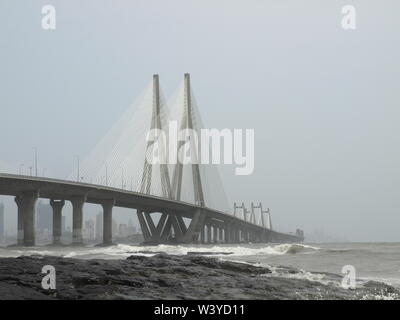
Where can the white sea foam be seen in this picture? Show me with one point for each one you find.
(121, 251)
(232, 250)
(301, 275)
(381, 296)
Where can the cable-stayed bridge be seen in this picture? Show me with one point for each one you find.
(176, 202)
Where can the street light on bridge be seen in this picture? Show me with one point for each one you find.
(122, 178)
(36, 164)
(20, 168)
(77, 168)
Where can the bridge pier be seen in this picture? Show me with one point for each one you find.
(26, 203)
(256, 236)
(171, 223)
(107, 221)
(172, 228)
(202, 235)
(227, 233)
(246, 235)
(215, 235)
(209, 233)
(20, 222)
(143, 226)
(196, 225)
(253, 237)
(57, 219)
(235, 234)
(77, 219)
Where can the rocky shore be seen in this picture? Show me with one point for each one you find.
(168, 277)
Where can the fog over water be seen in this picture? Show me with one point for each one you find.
(324, 102)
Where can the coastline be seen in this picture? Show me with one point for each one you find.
(164, 276)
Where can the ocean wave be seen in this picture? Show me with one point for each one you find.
(300, 274)
(241, 250)
(121, 251)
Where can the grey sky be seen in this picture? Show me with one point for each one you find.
(324, 102)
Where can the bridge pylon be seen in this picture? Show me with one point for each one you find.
(156, 124)
(171, 225)
(187, 124)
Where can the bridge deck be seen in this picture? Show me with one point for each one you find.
(56, 189)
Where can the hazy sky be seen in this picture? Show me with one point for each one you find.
(324, 102)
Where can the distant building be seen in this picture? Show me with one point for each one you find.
(131, 228)
(44, 217)
(63, 226)
(89, 230)
(123, 230)
(114, 227)
(99, 226)
(2, 235)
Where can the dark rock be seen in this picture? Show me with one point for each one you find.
(204, 253)
(167, 277)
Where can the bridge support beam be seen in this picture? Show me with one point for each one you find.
(195, 227)
(57, 219)
(26, 203)
(77, 219)
(171, 223)
(143, 226)
(107, 221)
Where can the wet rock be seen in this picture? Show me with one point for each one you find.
(168, 277)
(204, 253)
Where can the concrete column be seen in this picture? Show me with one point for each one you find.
(228, 233)
(20, 223)
(77, 219)
(232, 233)
(107, 221)
(237, 234)
(209, 233)
(220, 234)
(215, 236)
(193, 231)
(246, 235)
(202, 235)
(143, 226)
(252, 235)
(57, 215)
(26, 202)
